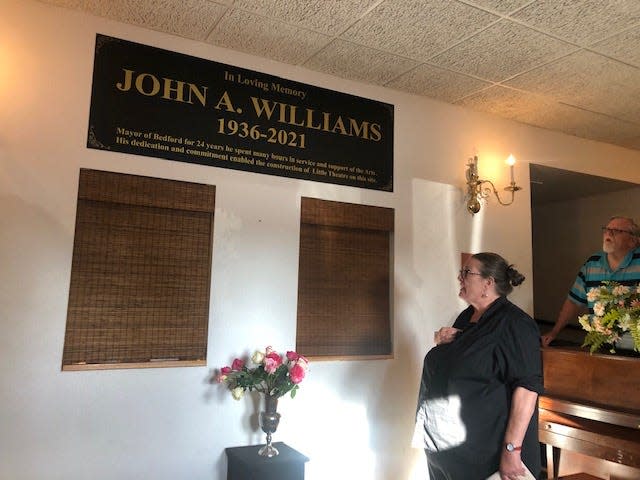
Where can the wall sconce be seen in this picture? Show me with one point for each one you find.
(476, 191)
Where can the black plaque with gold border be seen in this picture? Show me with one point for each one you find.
(154, 102)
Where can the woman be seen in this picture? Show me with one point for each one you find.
(477, 409)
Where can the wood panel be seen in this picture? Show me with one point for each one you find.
(140, 274)
(344, 280)
(591, 410)
(609, 380)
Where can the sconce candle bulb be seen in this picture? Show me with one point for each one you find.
(511, 161)
(478, 189)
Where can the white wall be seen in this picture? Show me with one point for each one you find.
(171, 423)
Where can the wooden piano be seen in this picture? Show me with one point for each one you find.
(591, 405)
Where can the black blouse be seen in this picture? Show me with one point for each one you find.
(474, 378)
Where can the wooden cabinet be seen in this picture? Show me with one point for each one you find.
(591, 406)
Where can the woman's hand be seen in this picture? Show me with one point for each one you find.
(523, 404)
(445, 335)
(511, 466)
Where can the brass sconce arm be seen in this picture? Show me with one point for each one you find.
(479, 189)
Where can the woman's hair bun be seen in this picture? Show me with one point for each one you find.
(514, 276)
(493, 265)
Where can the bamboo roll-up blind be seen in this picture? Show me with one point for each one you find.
(141, 273)
(344, 280)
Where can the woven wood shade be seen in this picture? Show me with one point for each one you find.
(344, 280)
(141, 271)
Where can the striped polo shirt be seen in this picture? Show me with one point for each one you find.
(596, 270)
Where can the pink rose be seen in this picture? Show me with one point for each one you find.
(303, 362)
(296, 373)
(292, 356)
(274, 356)
(237, 365)
(224, 372)
(270, 365)
(271, 362)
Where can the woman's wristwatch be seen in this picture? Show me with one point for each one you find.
(510, 447)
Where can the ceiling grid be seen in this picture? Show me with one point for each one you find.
(571, 66)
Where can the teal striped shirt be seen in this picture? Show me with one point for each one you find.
(596, 270)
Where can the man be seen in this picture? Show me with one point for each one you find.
(619, 261)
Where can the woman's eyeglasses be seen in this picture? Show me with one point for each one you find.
(614, 231)
(463, 273)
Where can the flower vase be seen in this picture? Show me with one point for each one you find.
(269, 420)
(625, 342)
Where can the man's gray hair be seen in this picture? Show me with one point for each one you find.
(635, 229)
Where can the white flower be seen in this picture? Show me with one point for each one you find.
(616, 310)
(257, 357)
(598, 309)
(593, 294)
(584, 321)
(619, 290)
(597, 326)
(237, 393)
(625, 322)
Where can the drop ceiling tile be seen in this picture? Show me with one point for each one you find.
(583, 123)
(505, 102)
(247, 32)
(418, 29)
(501, 6)
(501, 51)
(348, 60)
(437, 83)
(594, 126)
(590, 81)
(187, 18)
(546, 113)
(624, 46)
(581, 21)
(325, 16)
(617, 104)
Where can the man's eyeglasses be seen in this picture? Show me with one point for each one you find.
(463, 273)
(614, 231)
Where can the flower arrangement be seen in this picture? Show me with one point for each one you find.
(616, 311)
(273, 375)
